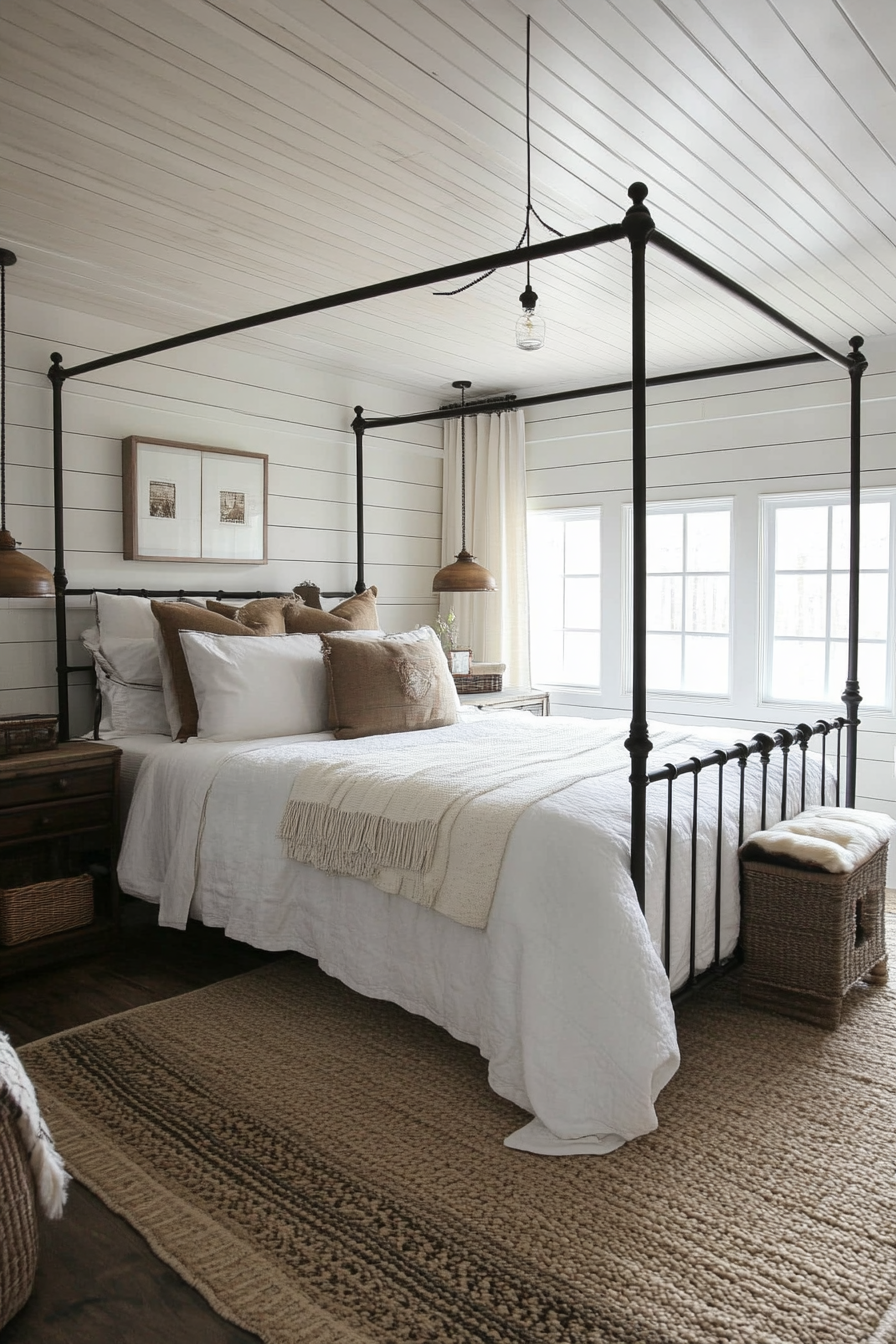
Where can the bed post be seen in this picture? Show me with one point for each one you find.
(57, 377)
(639, 226)
(358, 427)
(851, 698)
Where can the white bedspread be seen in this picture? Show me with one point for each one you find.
(564, 992)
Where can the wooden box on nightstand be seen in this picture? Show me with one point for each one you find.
(58, 819)
(534, 702)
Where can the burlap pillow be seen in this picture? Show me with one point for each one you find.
(396, 684)
(172, 618)
(263, 615)
(355, 613)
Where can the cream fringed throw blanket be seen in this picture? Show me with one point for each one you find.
(432, 823)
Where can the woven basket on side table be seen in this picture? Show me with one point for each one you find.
(45, 907)
(18, 1216)
(808, 935)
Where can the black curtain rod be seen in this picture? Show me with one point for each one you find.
(661, 380)
(607, 233)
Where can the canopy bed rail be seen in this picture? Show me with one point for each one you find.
(761, 745)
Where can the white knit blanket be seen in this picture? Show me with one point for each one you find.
(433, 825)
(18, 1097)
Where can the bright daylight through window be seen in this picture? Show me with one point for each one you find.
(688, 597)
(807, 597)
(564, 598)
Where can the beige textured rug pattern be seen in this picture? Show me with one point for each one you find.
(329, 1170)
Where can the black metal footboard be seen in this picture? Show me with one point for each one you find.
(788, 791)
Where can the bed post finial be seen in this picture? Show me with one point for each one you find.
(638, 194)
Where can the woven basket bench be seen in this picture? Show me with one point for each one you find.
(808, 935)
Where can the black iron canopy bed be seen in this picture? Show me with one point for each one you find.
(774, 786)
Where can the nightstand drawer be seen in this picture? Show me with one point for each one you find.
(74, 814)
(51, 788)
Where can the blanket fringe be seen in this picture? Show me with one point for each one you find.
(356, 843)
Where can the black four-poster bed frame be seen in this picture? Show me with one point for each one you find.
(638, 228)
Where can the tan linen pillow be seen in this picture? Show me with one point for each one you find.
(172, 618)
(396, 684)
(263, 615)
(355, 613)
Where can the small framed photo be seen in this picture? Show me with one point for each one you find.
(460, 662)
(189, 502)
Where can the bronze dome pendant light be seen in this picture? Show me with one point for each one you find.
(20, 576)
(463, 575)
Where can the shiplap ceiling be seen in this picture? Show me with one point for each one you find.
(176, 163)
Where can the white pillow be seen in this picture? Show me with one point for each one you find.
(136, 661)
(267, 686)
(128, 677)
(119, 615)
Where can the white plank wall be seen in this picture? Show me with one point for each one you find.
(738, 438)
(218, 395)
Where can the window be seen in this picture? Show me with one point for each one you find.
(806, 594)
(688, 596)
(564, 597)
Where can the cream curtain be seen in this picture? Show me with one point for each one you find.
(494, 625)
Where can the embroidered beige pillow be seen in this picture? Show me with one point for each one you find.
(356, 613)
(396, 684)
(263, 615)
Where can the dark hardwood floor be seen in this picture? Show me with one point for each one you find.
(97, 1280)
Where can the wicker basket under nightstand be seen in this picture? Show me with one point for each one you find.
(808, 935)
(45, 907)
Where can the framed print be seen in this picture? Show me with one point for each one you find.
(460, 661)
(189, 502)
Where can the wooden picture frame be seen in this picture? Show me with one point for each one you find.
(194, 504)
(460, 661)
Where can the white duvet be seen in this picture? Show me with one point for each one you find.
(564, 992)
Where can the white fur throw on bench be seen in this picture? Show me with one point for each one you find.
(835, 839)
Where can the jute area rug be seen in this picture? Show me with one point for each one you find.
(329, 1170)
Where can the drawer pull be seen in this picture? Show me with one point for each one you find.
(61, 783)
(43, 823)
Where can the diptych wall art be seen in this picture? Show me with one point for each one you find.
(189, 502)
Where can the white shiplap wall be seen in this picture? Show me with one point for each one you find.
(217, 395)
(739, 437)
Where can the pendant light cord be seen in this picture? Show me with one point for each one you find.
(525, 236)
(463, 473)
(2, 398)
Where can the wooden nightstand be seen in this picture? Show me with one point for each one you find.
(59, 818)
(534, 702)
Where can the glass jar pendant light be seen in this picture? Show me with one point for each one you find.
(529, 327)
(20, 576)
(463, 575)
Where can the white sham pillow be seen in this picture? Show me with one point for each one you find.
(128, 679)
(268, 686)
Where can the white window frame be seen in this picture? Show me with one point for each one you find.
(715, 505)
(768, 507)
(588, 513)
